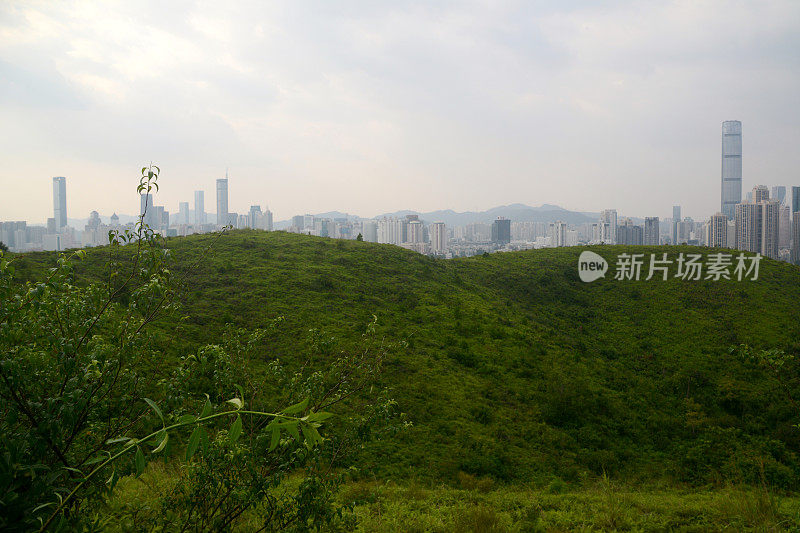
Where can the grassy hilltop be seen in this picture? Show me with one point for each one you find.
(514, 371)
(514, 368)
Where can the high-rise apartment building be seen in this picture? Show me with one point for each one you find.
(770, 228)
(630, 233)
(609, 217)
(415, 232)
(199, 208)
(784, 226)
(760, 193)
(501, 230)
(222, 202)
(60, 202)
(369, 231)
(731, 186)
(438, 238)
(651, 231)
(757, 224)
(558, 234)
(718, 231)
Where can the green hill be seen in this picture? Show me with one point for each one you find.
(515, 369)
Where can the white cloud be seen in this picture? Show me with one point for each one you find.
(370, 107)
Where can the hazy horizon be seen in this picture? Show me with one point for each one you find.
(369, 109)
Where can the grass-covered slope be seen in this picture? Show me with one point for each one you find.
(516, 369)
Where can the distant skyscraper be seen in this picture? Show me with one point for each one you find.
(779, 194)
(760, 193)
(199, 208)
(183, 213)
(609, 216)
(748, 227)
(60, 202)
(146, 208)
(369, 231)
(438, 238)
(222, 202)
(731, 167)
(784, 226)
(676, 219)
(501, 230)
(718, 231)
(651, 231)
(795, 199)
(558, 234)
(254, 218)
(415, 232)
(796, 239)
(268, 220)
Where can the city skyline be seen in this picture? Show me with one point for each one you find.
(386, 107)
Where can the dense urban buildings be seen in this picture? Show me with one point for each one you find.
(731, 167)
(767, 222)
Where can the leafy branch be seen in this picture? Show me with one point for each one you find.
(283, 421)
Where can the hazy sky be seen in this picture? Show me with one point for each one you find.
(369, 107)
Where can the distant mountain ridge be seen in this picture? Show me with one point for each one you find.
(516, 212)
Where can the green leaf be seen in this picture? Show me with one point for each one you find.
(194, 442)
(187, 419)
(236, 430)
(163, 443)
(139, 462)
(112, 481)
(311, 434)
(296, 408)
(152, 404)
(204, 440)
(206, 408)
(318, 417)
(276, 438)
(291, 427)
(236, 402)
(117, 440)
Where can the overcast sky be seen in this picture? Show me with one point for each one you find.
(369, 107)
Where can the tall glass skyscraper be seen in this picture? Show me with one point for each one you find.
(731, 167)
(60, 201)
(222, 202)
(199, 208)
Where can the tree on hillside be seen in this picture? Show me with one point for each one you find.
(3, 247)
(78, 368)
